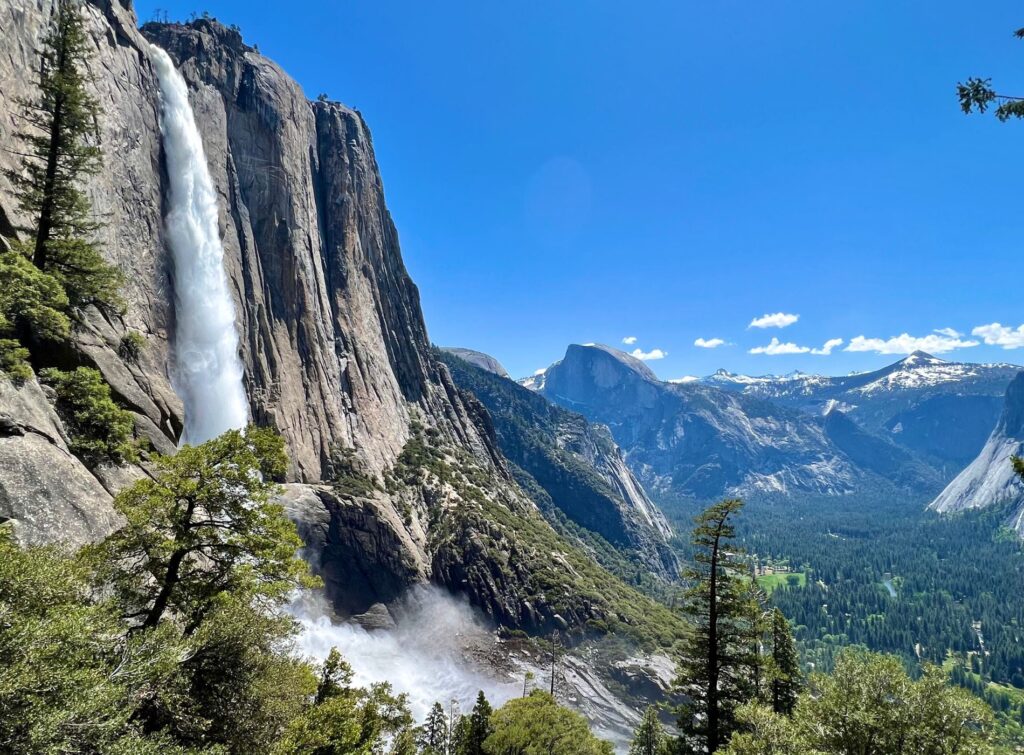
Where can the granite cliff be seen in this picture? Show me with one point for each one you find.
(396, 475)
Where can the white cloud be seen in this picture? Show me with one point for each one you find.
(541, 371)
(950, 332)
(777, 320)
(995, 334)
(776, 348)
(685, 379)
(832, 343)
(905, 343)
(709, 343)
(652, 354)
(629, 340)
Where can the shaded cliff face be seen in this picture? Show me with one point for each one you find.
(990, 480)
(571, 464)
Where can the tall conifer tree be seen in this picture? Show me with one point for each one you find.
(60, 149)
(716, 669)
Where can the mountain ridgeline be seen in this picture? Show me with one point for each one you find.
(566, 462)
(799, 434)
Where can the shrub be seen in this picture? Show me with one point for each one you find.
(14, 361)
(100, 430)
(130, 348)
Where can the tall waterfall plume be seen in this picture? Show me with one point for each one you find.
(208, 371)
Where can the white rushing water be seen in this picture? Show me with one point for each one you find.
(423, 656)
(208, 371)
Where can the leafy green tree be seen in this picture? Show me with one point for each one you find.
(538, 725)
(346, 720)
(69, 678)
(785, 665)
(60, 125)
(100, 430)
(202, 527)
(649, 737)
(870, 706)
(715, 672)
(30, 301)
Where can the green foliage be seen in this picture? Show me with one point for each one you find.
(720, 661)
(14, 361)
(785, 678)
(202, 527)
(100, 430)
(58, 152)
(869, 706)
(59, 651)
(537, 725)
(31, 301)
(977, 94)
(433, 738)
(130, 346)
(347, 476)
(649, 737)
(346, 720)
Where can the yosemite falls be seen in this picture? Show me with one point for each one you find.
(208, 371)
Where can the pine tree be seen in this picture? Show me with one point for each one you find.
(785, 666)
(434, 736)
(479, 726)
(60, 126)
(649, 737)
(716, 669)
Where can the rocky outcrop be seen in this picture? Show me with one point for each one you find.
(990, 479)
(46, 493)
(477, 359)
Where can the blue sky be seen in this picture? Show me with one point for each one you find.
(573, 172)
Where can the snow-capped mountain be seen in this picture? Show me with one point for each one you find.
(702, 439)
(911, 401)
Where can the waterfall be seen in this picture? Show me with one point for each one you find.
(208, 371)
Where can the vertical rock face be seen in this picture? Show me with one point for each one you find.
(571, 464)
(990, 479)
(333, 340)
(334, 344)
(330, 318)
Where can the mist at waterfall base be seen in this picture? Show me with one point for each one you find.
(208, 371)
(423, 655)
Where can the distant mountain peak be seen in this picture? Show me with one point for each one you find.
(478, 359)
(588, 350)
(920, 359)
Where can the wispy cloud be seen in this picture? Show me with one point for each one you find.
(776, 348)
(709, 343)
(647, 355)
(541, 371)
(949, 332)
(629, 340)
(935, 343)
(685, 379)
(832, 343)
(777, 320)
(995, 334)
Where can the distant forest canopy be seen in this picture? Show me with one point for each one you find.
(886, 574)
